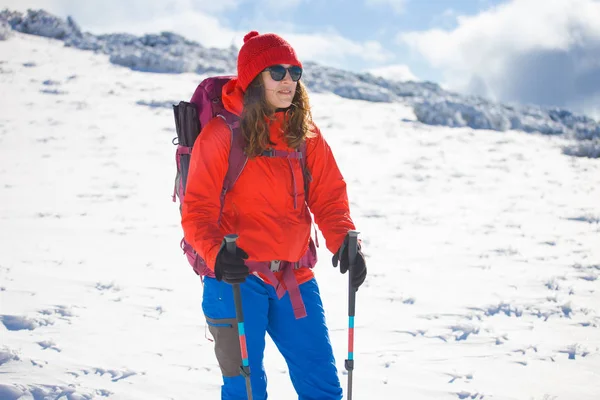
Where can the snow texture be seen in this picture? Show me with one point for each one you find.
(171, 53)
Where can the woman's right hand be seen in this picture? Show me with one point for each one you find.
(231, 267)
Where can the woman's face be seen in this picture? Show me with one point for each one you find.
(279, 94)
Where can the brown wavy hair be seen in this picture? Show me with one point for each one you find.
(257, 113)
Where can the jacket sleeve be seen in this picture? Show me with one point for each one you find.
(201, 203)
(327, 197)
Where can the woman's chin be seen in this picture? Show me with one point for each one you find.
(284, 103)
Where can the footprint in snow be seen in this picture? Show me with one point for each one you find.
(589, 273)
(501, 339)
(104, 287)
(37, 391)
(48, 344)
(575, 350)
(413, 334)
(462, 332)
(7, 355)
(11, 392)
(401, 299)
(19, 322)
(155, 313)
(168, 104)
(47, 317)
(504, 308)
(62, 312)
(464, 378)
(53, 91)
(589, 218)
(115, 374)
(467, 395)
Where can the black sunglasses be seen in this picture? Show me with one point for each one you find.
(278, 72)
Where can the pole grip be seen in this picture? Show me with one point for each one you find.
(231, 246)
(352, 247)
(230, 243)
(352, 254)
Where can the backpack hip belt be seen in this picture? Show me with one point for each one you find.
(289, 278)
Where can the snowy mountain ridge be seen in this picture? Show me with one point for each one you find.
(172, 53)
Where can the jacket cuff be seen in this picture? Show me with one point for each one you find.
(211, 256)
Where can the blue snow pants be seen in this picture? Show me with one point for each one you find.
(304, 343)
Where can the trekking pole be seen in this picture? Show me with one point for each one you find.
(352, 252)
(239, 315)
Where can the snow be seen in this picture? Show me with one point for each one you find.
(171, 53)
(482, 247)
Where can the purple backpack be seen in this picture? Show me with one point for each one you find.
(190, 118)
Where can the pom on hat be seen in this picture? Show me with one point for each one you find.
(250, 35)
(262, 51)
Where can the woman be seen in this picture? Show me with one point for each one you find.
(269, 209)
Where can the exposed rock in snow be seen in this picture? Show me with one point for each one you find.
(5, 30)
(41, 23)
(584, 148)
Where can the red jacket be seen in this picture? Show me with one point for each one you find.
(260, 207)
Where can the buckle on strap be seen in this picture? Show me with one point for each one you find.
(281, 153)
(275, 265)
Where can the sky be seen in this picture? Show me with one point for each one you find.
(481, 246)
(528, 51)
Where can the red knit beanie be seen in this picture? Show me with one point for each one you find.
(260, 52)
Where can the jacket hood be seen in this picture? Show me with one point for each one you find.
(233, 97)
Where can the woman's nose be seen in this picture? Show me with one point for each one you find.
(287, 76)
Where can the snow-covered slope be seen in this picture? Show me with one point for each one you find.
(168, 52)
(482, 247)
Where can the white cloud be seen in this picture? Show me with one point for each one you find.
(399, 72)
(197, 26)
(335, 50)
(538, 51)
(397, 5)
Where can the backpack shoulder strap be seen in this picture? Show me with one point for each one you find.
(307, 180)
(237, 158)
(305, 172)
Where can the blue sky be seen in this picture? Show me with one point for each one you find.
(529, 51)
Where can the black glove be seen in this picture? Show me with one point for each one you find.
(360, 267)
(230, 267)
